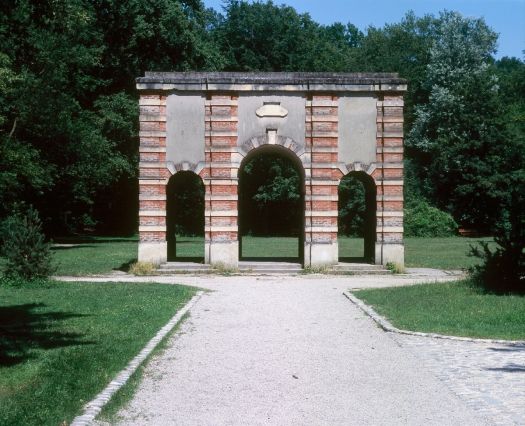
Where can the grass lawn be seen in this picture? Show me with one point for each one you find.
(190, 247)
(98, 255)
(93, 255)
(270, 247)
(62, 343)
(440, 253)
(454, 308)
(351, 247)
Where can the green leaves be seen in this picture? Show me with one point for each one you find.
(69, 115)
(458, 137)
(267, 37)
(27, 254)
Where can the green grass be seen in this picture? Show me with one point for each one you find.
(455, 308)
(94, 255)
(190, 247)
(271, 247)
(351, 247)
(62, 343)
(440, 253)
(99, 255)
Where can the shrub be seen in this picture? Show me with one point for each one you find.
(503, 270)
(423, 220)
(28, 255)
(142, 268)
(395, 268)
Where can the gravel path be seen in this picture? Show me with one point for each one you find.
(289, 351)
(490, 378)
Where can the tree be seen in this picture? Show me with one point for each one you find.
(27, 254)
(404, 48)
(270, 183)
(266, 37)
(459, 135)
(503, 269)
(352, 208)
(69, 114)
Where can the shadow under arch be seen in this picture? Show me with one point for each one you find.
(272, 150)
(363, 212)
(185, 217)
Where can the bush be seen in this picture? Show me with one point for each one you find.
(395, 268)
(423, 220)
(503, 270)
(28, 255)
(143, 268)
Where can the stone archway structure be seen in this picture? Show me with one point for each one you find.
(333, 123)
(293, 152)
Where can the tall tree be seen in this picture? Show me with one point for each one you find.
(459, 135)
(262, 36)
(69, 115)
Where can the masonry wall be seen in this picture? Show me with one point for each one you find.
(153, 177)
(325, 154)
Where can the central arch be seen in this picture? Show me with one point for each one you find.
(278, 219)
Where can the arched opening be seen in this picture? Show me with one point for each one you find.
(271, 206)
(185, 217)
(357, 218)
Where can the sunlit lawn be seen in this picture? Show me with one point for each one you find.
(266, 247)
(62, 343)
(442, 253)
(96, 255)
(455, 308)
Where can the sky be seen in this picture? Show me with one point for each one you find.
(506, 17)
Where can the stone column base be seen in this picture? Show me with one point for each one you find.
(321, 254)
(154, 252)
(222, 253)
(390, 253)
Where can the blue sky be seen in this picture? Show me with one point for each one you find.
(506, 17)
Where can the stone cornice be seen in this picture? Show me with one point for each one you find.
(277, 81)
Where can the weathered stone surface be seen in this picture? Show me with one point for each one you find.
(329, 124)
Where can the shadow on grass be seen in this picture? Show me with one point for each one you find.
(192, 259)
(92, 240)
(125, 266)
(270, 259)
(356, 259)
(23, 329)
(76, 246)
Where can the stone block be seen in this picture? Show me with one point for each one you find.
(154, 252)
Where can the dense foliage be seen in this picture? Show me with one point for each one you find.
(423, 220)
(503, 269)
(68, 107)
(270, 197)
(23, 245)
(185, 205)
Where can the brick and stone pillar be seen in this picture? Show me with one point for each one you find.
(389, 180)
(221, 180)
(153, 176)
(321, 181)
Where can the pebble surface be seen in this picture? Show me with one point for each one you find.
(295, 351)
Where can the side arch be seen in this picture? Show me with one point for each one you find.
(185, 216)
(369, 184)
